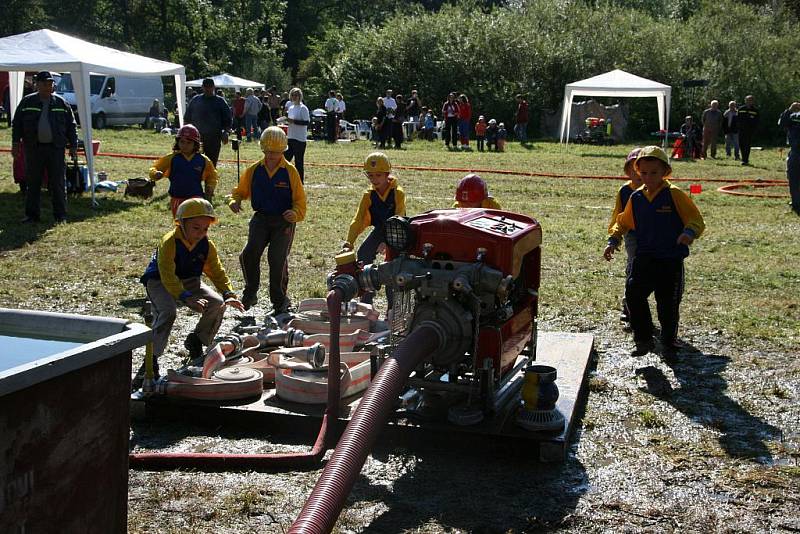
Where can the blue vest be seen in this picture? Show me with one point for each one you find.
(380, 210)
(186, 176)
(271, 196)
(188, 263)
(658, 226)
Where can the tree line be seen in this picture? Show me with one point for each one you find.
(490, 50)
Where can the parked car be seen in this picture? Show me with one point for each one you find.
(115, 100)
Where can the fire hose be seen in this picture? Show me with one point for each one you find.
(321, 510)
(266, 462)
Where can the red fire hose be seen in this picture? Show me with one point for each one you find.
(326, 501)
(265, 462)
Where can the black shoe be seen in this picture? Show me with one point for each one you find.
(248, 301)
(643, 348)
(61, 220)
(671, 346)
(194, 346)
(29, 220)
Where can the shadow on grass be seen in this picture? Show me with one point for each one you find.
(506, 491)
(701, 397)
(16, 234)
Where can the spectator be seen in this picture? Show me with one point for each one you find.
(480, 132)
(748, 118)
(381, 120)
(252, 105)
(397, 122)
(521, 126)
(501, 137)
(712, 124)
(691, 136)
(298, 118)
(491, 135)
(730, 127)
(45, 122)
(413, 107)
(464, 118)
(285, 102)
(790, 121)
(264, 114)
(450, 116)
(238, 112)
(330, 116)
(212, 116)
(7, 104)
(340, 109)
(154, 118)
(391, 109)
(275, 106)
(428, 124)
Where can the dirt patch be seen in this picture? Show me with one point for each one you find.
(708, 442)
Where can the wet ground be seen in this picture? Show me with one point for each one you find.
(707, 442)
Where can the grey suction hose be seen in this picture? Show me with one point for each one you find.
(326, 501)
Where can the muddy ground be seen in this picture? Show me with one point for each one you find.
(709, 442)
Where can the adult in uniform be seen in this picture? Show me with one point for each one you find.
(748, 122)
(46, 123)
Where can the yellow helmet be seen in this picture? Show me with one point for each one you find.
(195, 207)
(273, 139)
(377, 162)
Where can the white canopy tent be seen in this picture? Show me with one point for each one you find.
(616, 83)
(227, 81)
(48, 50)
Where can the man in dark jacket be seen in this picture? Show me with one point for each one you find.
(47, 125)
(790, 121)
(748, 122)
(212, 116)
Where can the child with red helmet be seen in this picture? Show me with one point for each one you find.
(472, 192)
(187, 169)
(634, 182)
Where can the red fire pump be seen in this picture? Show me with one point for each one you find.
(473, 276)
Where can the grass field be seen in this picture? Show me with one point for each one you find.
(741, 308)
(742, 276)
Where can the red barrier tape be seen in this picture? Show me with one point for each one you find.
(460, 170)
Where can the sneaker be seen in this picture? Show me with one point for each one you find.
(138, 381)
(194, 346)
(29, 220)
(643, 348)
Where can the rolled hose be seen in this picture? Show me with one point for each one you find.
(328, 497)
(265, 462)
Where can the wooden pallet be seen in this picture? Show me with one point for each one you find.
(569, 353)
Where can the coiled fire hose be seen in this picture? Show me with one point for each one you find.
(273, 461)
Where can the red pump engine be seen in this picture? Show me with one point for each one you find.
(473, 274)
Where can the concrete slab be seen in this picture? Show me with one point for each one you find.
(569, 353)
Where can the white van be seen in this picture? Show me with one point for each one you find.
(116, 100)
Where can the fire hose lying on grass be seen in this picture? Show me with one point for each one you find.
(465, 299)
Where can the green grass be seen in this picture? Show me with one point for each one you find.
(742, 276)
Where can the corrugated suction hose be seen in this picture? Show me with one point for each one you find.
(326, 501)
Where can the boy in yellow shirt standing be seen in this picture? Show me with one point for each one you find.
(276, 193)
(383, 200)
(666, 223)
